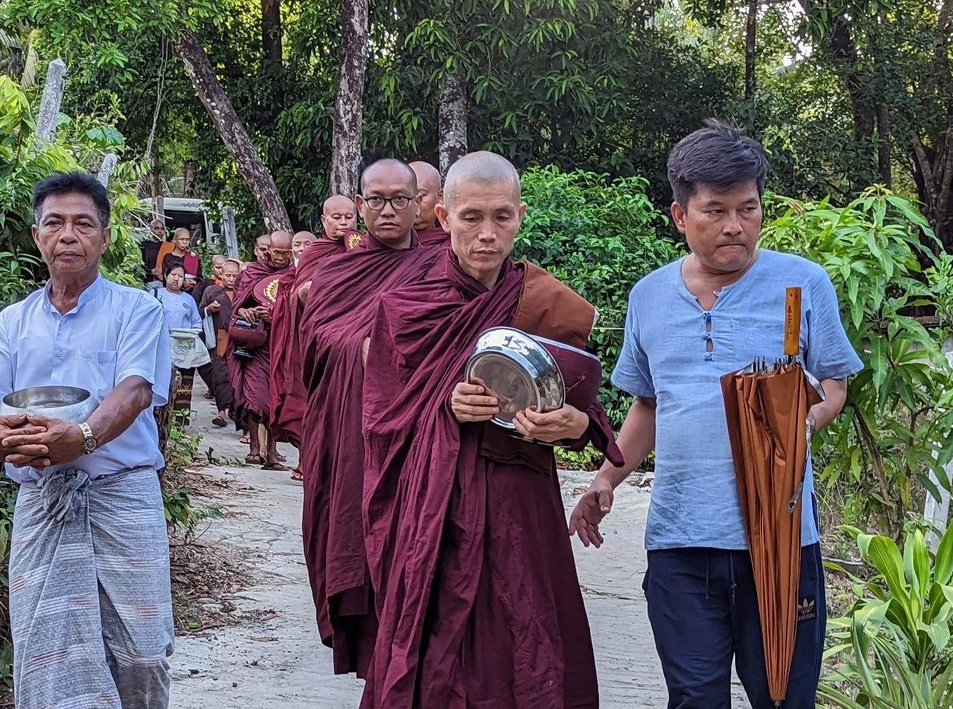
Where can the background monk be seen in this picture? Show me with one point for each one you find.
(336, 321)
(339, 221)
(428, 228)
(477, 594)
(299, 242)
(217, 302)
(261, 248)
(249, 370)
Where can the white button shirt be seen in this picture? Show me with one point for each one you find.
(113, 333)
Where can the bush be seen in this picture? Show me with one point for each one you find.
(896, 425)
(893, 647)
(599, 237)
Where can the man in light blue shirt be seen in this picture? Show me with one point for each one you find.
(688, 324)
(90, 598)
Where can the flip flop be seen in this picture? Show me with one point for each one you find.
(255, 459)
(244, 439)
(281, 458)
(218, 421)
(275, 466)
(297, 475)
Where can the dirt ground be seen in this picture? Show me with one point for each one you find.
(274, 658)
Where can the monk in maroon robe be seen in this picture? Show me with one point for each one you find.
(429, 186)
(476, 589)
(339, 221)
(336, 321)
(249, 372)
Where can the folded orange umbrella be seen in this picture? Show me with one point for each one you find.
(766, 405)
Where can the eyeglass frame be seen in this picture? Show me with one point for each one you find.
(388, 200)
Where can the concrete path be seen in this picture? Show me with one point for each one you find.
(279, 662)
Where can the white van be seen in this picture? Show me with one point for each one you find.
(191, 214)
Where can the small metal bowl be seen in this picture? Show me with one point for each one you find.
(66, 403)
(518, 370)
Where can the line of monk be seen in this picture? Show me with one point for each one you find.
(436, 544)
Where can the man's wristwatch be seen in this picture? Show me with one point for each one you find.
(89, 440)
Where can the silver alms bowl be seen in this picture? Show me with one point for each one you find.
(60, 402)
(519, 371)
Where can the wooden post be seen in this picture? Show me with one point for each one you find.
(52, 98)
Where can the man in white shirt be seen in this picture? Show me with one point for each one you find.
(90, 598)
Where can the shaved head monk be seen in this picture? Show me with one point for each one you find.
(299, 243)
(338, 217)
(336, 321)
(429, 230)
(477, 595)
(261, 248)
(339, 221)
(249, 352)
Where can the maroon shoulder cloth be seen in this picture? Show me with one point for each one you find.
(336, 320)
(250, 378)
(289, 398)
(477, 594)
(434, 236)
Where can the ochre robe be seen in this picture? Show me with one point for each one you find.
(250, 378)
(476, 589)
(336, 320)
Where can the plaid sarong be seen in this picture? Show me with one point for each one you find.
(90, 596)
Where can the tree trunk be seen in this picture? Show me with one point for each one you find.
(750, 45)
(232, 132)
(271, 30)
(452, 123)
(349, 99)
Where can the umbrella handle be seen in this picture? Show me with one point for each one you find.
(792, 322)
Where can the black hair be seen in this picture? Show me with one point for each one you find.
(410, 170)
(170, 264)
(66, 182)
(720, 156)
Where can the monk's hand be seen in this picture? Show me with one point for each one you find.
(12, 427)
(61, 440)
(365, 348)
(592, 507)
(562, 424)
(248, 314)
(473, 401)
(303, 291)
(264, 314)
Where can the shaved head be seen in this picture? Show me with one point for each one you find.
(300, 241)
(218, 260)
(337, 216)
(279, 252)
(261, 247)
(263, 240)
(387, 165)
(280, 240)
(431, 194)
(482, 168)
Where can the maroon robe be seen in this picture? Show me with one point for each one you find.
(434, 236)
(476, 589)
(336, 320)
(250, 378)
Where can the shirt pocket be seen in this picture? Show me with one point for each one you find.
(98, 371)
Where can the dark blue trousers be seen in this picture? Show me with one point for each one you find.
(704, 612)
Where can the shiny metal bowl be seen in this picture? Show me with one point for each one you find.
(518, 370)
(71, 404)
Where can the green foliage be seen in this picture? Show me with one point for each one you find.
(8, 498)
(893, 647)
(181, 514)
(599, 237)
(897, 424)
(24, 161)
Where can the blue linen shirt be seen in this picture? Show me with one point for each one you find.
(114, 332)
(665, 356)
(180, 310)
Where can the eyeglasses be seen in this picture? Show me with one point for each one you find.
(399, 202)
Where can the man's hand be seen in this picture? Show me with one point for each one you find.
(264, 314)
(592, 507)
(61, 441)
(564, 423)
(213, 307)
(303, 291)
(472, 402)
(18, 426)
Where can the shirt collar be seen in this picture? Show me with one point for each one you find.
(92, 290)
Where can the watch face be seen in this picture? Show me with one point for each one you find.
(89, 445)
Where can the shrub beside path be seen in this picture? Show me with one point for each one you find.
(278, 660)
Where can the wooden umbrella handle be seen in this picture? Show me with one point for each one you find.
(792, 321)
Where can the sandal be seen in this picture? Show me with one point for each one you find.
(275, 466)
(296, 474)
(253, 459)
(281, 458)
(218, 421)
(245, 439)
